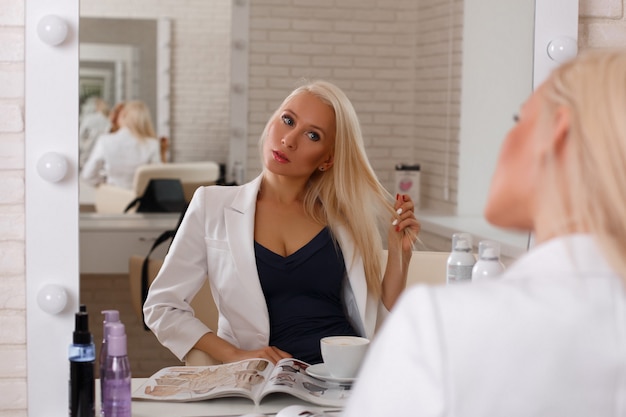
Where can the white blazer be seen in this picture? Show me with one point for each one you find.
(548, 339)
(216, 241)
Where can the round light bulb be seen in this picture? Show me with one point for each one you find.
(52, 298)
(52, 30)
(52, 167)
(562, 49)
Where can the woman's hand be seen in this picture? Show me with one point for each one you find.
(400, 239)
(404, 226)
(224, 351)
(271, 353)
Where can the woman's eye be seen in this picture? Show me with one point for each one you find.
(516, 118)
(287, 120)
(313, 136)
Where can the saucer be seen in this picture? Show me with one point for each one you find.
(319, 371)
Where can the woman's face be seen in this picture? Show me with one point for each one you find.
(512, 195)
(300, 138)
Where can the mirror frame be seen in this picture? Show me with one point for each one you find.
(51, 212)
(51, 209)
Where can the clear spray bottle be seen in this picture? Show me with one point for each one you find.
(110, 316)
(117, 375)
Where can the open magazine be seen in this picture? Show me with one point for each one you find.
(251, 378)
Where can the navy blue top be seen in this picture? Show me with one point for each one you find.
(303, 296)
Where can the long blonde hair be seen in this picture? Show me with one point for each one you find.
(592, 189)
(349, 192)
(135, 116)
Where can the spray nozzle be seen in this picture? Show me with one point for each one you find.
(488, 250)
(117, 339)
(81, 335)
(111, 316)
(462, 242)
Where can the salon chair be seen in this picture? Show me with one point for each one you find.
(112, 199)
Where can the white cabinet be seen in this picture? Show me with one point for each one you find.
(108, 241)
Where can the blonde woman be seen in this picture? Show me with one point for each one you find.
(294, 255)
(548, 338)
(116, 156)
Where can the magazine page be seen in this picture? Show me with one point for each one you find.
(290, 376)
(193, 383)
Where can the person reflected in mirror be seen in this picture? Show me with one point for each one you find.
(114, 117)
(94, 121)
(116, 156)
(293, 255)
(549, 337)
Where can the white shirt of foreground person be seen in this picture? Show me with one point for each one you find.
(116, 157)
(547, 339)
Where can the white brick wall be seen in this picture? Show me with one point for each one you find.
(437, 96)
(391, 59)
(602, 24)
(365, 47)
(12, 283)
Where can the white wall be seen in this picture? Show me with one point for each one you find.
(508, 78)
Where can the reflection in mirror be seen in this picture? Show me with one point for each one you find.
(121, 60)
(199, 45)
(406, 67)
(401, 65)
(118, 61)
(123, 45)
(281, 49)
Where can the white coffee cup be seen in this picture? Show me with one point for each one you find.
(343, 355)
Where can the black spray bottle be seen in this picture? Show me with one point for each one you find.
(82, 355)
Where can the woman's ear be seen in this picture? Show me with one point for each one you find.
(560, 129)
(329, 162)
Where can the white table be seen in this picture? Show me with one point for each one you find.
(219, 407)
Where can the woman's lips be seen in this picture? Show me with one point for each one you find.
(280, 157)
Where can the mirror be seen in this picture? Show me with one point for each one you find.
(51, 76)
(123, 59)
(386, 109)
(188, 51)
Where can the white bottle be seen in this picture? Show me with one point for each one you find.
(488, 265)
(461, 260)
